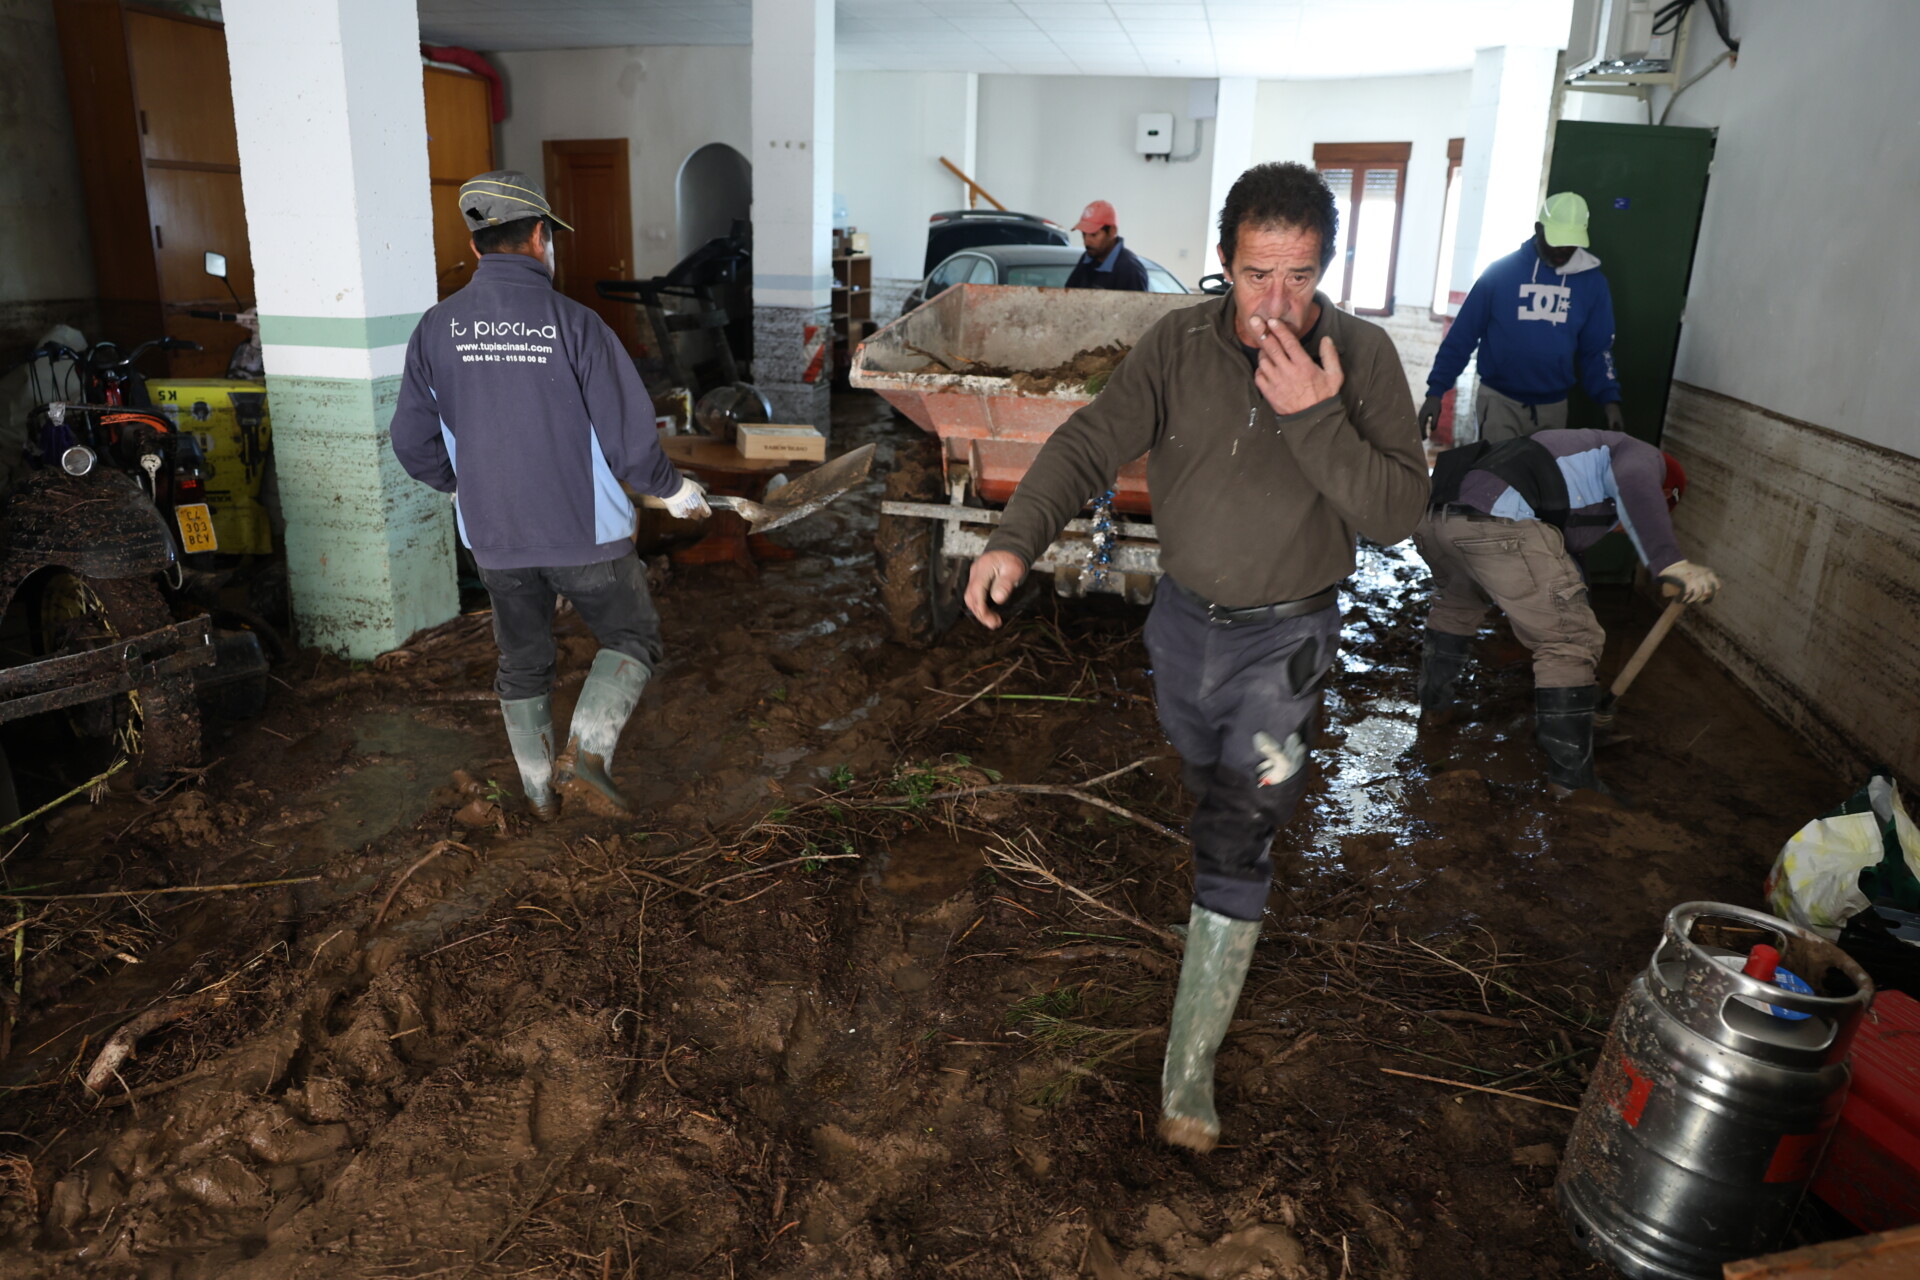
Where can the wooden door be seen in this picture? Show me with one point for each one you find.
(459, 146)
(587, 186)
(183, 104)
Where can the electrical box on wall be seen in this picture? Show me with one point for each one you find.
(1154, 135)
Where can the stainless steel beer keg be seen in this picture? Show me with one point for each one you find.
(1713, 1098)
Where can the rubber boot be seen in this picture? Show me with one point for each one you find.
(1219, 950)
(1563, 726)
(1443, 656)
(606, 703)
(530, 733)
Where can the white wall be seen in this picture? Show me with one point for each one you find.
(1051, 144)
(890, 130)
(1805, 297)
(1293, 115)
(667, 103)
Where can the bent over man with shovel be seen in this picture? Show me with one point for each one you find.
(1504, 524)
(1276, 428)
(522, 404)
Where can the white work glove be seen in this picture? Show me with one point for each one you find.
(689, 501)
(1697, 583)
(1279, 761)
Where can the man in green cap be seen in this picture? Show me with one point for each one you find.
(1542, 318)
(522, 404)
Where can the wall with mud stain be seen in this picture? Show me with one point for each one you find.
(1817, 537)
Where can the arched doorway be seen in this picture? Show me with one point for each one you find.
(715, 187)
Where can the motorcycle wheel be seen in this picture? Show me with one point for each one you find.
(155, 726)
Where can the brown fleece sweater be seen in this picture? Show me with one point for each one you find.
(1252, 508)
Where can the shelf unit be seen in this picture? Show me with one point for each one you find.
(852, 306)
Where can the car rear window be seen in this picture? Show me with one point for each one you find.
(1041, 277)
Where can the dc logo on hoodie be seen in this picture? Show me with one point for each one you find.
(1550, 302)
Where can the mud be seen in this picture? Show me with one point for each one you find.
(1088, 370)
(816, 1014)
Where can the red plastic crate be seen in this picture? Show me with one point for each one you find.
(1872, 1169)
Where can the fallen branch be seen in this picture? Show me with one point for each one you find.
(1479, 1088)
(88, 785)
(150, 893)
(711, 885)
(120, 1045)
(424, 859)
(1042, 789)
(1020, 861)
(1000, 680)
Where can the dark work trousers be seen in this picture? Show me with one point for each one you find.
(1216, 686)
(610, 597)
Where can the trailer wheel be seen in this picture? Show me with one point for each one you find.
(155, 726)
(920, 589)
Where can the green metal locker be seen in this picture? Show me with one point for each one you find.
(1645, 186)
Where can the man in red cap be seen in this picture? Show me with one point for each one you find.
(1107, 263)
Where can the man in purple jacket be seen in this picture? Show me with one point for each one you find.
(522, 404)
(1504, 525)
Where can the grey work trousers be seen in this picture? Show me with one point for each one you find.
(1216, 686)
(611, 598)
(1523, 567)
(1504, 418)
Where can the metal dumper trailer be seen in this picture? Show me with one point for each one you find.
(936, 517)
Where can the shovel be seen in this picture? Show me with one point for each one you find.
(800, 498)
(1603, 714)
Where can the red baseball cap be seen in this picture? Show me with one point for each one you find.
(1095, 216)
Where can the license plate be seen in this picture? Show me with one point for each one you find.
(196, 528)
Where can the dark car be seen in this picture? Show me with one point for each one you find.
(1044, 266)
(956, 229)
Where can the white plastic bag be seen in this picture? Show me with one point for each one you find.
(1833, 868)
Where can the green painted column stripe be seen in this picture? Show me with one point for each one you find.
(360, 332)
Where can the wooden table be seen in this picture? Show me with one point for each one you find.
(723, 470)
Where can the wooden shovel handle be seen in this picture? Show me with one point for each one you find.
(1658, 633)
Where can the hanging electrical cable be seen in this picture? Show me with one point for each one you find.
(1668, 18)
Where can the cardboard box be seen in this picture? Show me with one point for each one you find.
(857, 241)
(767, 440)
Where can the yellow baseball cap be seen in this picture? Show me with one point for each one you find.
(1564, 216)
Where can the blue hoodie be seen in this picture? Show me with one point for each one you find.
(1537, 329)
(522, 404)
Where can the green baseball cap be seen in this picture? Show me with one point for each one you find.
(505, 195)
(1565, 218)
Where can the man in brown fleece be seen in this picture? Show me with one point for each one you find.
(1276, 428)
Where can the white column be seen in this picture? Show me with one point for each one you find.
(333, 157)
(1500, 170)
(792, 157)
(1232, 154)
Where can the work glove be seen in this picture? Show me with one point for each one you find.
(689, 501)
(1697, 583)
(1616, 421)
(1279, 760)
(1429, 416)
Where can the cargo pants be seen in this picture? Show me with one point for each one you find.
(1216, 686)
(1523, 567)
(1504, 418)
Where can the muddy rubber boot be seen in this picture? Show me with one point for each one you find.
(1563, 726)
(606, 703)
(1443, 656)
(530, 734)
(1218, 953)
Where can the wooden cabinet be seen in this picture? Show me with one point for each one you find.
(852, 306)
(153, 123)
(459, 146)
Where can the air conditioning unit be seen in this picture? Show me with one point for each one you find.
(1616, 38)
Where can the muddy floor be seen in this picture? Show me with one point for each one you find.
(841, 1003)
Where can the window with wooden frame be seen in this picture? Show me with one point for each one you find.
(1369, 182)
(1449, 231)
